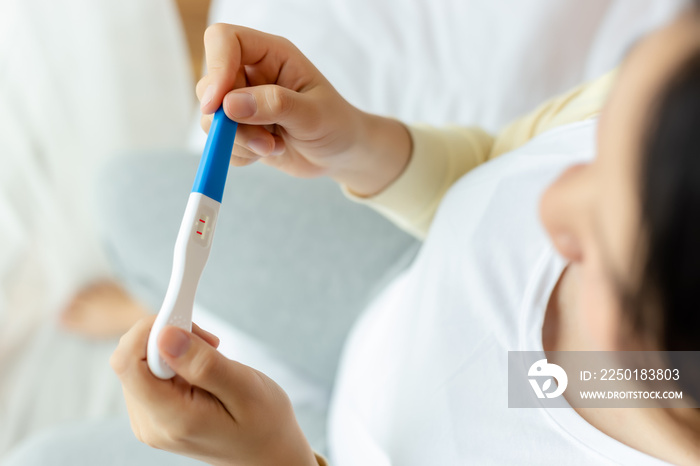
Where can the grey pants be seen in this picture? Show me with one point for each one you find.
(293, 264)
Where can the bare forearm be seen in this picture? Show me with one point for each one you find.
(382, 152)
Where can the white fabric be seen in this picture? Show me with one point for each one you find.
(424, 376)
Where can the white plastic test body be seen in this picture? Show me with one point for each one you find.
(194, 239)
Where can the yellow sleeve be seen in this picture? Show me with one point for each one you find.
(441, 156)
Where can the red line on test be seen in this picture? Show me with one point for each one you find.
(202, 221)
(199, 232)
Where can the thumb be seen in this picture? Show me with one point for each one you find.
(272, 104)
(201, 365)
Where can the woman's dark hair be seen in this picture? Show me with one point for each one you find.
(670, 193)
(665, 308)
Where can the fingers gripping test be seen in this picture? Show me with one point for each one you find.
(194, 238)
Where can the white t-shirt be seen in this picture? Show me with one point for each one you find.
(423, 380)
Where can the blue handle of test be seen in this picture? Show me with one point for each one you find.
(213, 167)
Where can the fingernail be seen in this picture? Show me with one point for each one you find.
(240, 105)
(174, 342)
(259, 146)
(207, 96)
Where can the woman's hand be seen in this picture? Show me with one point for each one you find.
(290, 115)
(215, 410)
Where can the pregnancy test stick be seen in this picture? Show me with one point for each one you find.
(194, 239)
